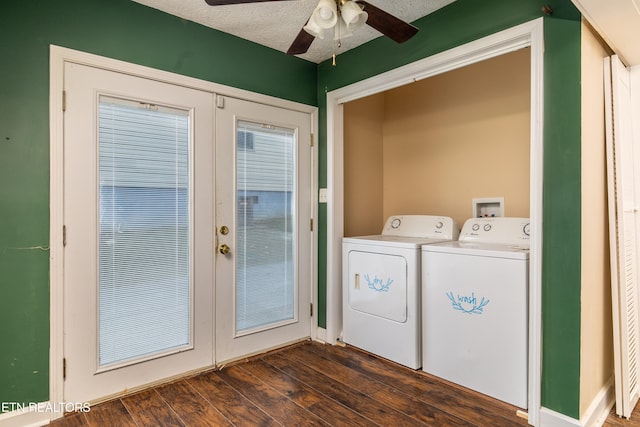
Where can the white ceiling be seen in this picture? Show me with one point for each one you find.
(276, 24)
(618, 22)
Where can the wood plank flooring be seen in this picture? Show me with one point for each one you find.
(308, 384)
(614, 421)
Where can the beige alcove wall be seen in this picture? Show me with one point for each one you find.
(432, 146)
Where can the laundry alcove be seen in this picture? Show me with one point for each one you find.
(431, 146)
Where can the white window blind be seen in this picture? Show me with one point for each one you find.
(266, 218)
(144, 231)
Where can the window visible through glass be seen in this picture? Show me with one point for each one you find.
(265, 218)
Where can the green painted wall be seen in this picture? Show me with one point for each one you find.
(462, 22)
(118, 29)
(561, 285)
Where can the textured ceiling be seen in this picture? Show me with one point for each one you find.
(276, 24)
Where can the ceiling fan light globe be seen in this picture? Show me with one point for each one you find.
(353, 16)
(341, 31)
(325, 14)
(314, 29)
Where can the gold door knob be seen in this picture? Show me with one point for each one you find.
(224, 249)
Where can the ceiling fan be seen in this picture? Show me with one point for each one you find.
(344, 17)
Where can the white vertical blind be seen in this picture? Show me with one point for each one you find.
(144, 231)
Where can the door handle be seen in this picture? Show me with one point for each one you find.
(224, 249)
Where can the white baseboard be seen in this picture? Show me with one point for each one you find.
(594, 416)
(321, 335)
(600, 407)
(549, 418)
(25, 418)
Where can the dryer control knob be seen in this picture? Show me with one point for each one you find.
(395, 223)
(439, 224)
(487, 227)
(475, 227)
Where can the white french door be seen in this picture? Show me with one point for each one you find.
(138, 287)
(263, 214)
(157, 185)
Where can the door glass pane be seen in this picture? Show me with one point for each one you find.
(265, 218)
(144, 285)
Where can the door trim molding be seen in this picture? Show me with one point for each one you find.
(58, 57)
(526, 35)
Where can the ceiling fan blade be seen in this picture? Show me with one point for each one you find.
(225, 2)
(301, 43)
(392, 27)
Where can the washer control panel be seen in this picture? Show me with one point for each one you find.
(428, 226)
(504, 230)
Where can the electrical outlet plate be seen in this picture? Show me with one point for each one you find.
(322, 195)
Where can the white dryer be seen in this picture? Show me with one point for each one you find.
(475, 308)
(381, 286)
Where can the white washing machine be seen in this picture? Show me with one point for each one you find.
(381, 286)
(475, 308)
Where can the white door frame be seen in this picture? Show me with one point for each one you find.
(529, 35)
(58, 56)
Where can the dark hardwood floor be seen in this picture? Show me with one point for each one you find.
(614, 421)
(308, 384)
